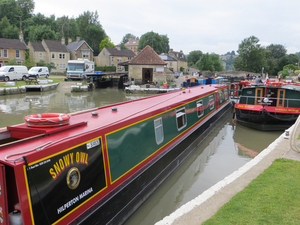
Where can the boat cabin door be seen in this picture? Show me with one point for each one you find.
(3, 197)
(280, 98)
(258, 95)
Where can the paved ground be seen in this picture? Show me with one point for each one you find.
(207, 204)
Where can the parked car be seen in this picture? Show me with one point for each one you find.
(38, 72)
(176, 74)
(13, 73)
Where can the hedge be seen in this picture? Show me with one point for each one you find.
(106, 68)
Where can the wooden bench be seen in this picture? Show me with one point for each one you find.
(31, 80)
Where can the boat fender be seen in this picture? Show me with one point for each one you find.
(47, 119)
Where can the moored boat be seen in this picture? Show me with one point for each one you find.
(98, 166)
(271, 106)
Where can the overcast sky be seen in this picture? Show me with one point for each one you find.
(217, 26)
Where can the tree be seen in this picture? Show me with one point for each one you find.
(287, 59)
(194, 56)
(277, 51)
(251, 56)
(209, 62)
(106, 43)
(90, 29)
(122, 46)
(160, 43)
(26, 8)
(126, 38)
(40, 32)
(7, 30)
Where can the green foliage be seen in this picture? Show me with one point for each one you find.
(277, 51)
(284, 73)
(106, 68)
(122, 46)
(50, 66)
(290, 67)
(12, 62)
(28, 63)
(251, 55)
(194, 56)
(7, 30)
(272, 198)
(41, 63)
(209, 62)
(106, 43)
(160, 43)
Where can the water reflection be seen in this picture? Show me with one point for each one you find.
(215, 158)
(228, 147)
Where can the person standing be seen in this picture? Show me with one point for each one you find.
(279, 77)
(258, 80)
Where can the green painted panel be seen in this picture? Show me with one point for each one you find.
(130, 146)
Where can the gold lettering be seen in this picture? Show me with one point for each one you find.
(72, 157)
(62, 165)
(82, 154)
(67, 161)
(86, 159)
(56, 167)
(77, 157)
(53, 174)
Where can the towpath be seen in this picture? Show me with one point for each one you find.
(209, 202)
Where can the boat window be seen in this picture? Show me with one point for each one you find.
(258, 95)
(200, 110)
(281, 96)
(159, 131)
(211, 102)
(181, 118)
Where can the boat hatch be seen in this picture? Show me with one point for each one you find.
(23, 131)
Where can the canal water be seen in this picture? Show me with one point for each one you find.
(227, 147)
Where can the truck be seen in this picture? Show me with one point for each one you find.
(80, 68)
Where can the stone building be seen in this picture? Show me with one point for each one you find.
(133, 44)
(148, 67)
(79, 49)
(113, 57)
(181, 60)
(12, 49)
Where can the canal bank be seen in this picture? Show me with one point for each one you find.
(209, 202)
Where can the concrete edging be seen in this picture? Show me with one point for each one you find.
(210, 201)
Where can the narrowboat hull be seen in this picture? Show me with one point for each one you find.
(102, 164)
(268, 107)
(127, 200)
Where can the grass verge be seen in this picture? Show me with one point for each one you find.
(272, 198)
(19, 83)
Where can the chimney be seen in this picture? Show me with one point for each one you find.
(181, 51)
(63, 41)
(21, 36)
(69, 40)
(171, 50)
(77, 38)
(137, 38)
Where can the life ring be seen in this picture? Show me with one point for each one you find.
(47, 120)
(244, 82)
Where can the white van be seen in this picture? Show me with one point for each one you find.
(38, 72)
(13, 73)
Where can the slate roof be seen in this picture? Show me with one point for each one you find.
(12, 44)
(132, 42)
(56, 46)
(166, 58)
(122, 52)
(74, 46)
(180, 56)
(37, 47)
(147, 57)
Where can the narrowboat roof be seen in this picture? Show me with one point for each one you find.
(30, 140)
(285, 86)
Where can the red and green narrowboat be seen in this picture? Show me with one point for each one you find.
(274, 106)
(98, 166)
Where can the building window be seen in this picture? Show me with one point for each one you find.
(62, 66)
(181, 118)
(200, 110)
(0, 53)
(170, 63)
(5, 53)
(85, 55)
(112, 58)
(53, 55)
(119, 59)
(19, 63)
(119, 67)
(17, 53)
(41, 55)
(129, 58)
(62, 56)
(159, 132)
